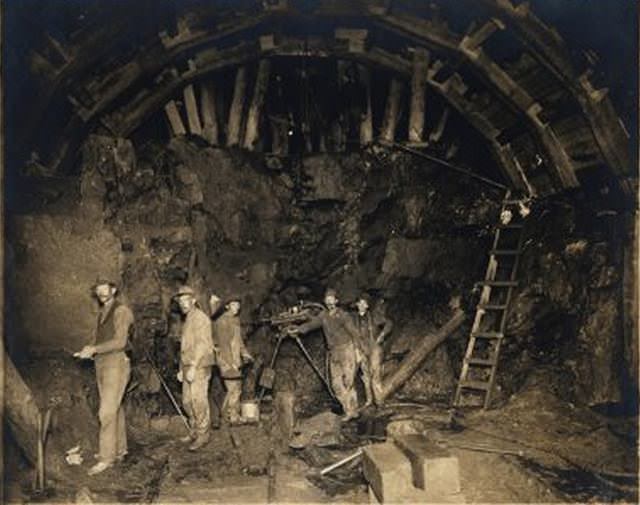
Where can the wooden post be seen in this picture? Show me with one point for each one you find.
(192, 110)
(174, 119)
(208, 113)
(415, 359)
(392, 111)
(418, 87)
(257, 101)
(237, 108)
(366, 126)
(21, 414)
(436, 134)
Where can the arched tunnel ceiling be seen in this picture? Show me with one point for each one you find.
(508, 74)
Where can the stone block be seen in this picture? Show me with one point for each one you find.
(388, 471)
(434, 469)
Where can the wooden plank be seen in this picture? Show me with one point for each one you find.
(366, 126)
(208, 112)
(418, 89)
(173, 114)
(193, 118)
(436, 134)
(392, 111)
(415, 359)
(237, 108)
(257, 102)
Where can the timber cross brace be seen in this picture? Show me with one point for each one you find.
(537, 115)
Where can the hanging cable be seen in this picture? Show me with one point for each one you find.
(444, 163)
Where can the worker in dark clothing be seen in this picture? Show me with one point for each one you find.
(113, 370)
(231, 356)
(373, 328)
(340, 334)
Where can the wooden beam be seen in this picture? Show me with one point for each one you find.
(208, 112)
(414, 360)
(418, 89)
(237, 108)
(173, 114)
(392, 111)
(366, 126)
(436, 134)
(193, 119)
(21, 414)
(257, 102)
(477, 38)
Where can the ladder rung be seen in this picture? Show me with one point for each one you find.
(505, 252)
(481, 362)
(476, 385)
(487, 334)
(492, 306)
(499, 284)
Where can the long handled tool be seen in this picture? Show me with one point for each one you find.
(315, 368)
(43, 429)
(168, 391)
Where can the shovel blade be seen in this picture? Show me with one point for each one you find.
(267, 378)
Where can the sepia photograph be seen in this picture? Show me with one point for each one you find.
(319, 251)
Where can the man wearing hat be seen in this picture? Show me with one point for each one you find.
(373, 328)
(114, 325)
(231, 355)
(196, 360)
(340, 334)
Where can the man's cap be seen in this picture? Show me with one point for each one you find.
(185, 290)
(232, 298)
(365, 297)
(103, 280)
(330, 292)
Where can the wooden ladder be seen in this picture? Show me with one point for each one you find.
(480, 363)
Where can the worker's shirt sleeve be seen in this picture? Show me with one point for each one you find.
(312, 324)
(122, 321)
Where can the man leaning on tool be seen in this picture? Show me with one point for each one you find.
(373, 328)
(196, 360)
(114, 325)
(340, 334)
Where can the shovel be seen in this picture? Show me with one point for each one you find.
(268, 375)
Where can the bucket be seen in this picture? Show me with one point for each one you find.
(250, 411)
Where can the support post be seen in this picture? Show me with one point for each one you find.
(418, 88)
(192, 110)
(392, 111)
(208, 113)
(366, 126)
(257, 102)
(436, 134)
(174, 119)
(237, 108)
(415, 359)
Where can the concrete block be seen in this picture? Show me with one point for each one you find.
(387, 471)
(434, 469)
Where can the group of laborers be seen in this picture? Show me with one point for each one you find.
(354, 344)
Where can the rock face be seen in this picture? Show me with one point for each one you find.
(227, 224)
(50, 281)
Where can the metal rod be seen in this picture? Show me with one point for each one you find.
(315, 368)
(343, 461)
(168, 391)
(451, 166)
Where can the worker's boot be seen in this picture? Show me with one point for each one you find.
(200, 441)
(189, 437)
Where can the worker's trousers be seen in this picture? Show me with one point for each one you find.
(195, 399)
(342, 363)
(112, 374)
(369, 362)
(231, 403)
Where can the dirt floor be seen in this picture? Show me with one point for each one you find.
(535, 448)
